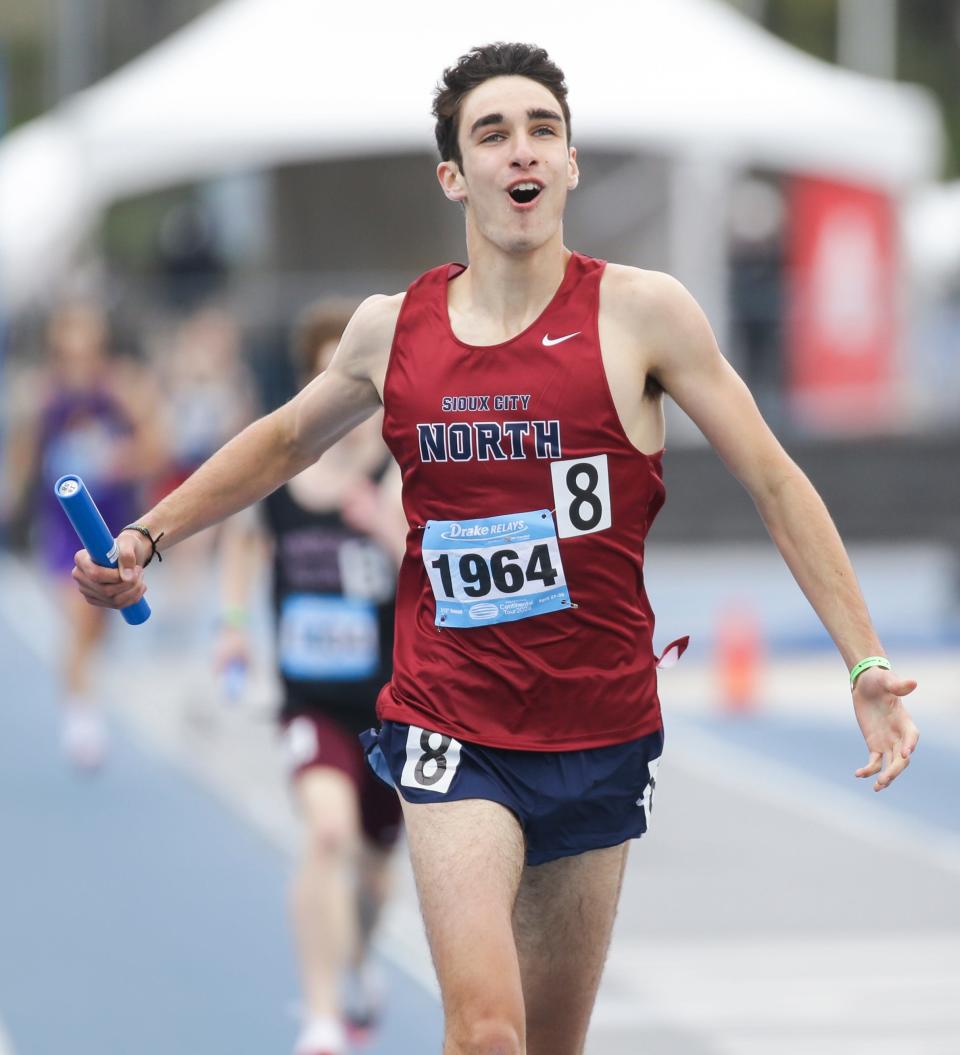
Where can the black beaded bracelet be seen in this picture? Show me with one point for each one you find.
(154, 552)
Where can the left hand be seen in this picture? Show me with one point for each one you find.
(887, 728)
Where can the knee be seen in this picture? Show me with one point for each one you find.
(491, 1036)
(331, 843)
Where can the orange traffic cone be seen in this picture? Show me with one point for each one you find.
(738, 659)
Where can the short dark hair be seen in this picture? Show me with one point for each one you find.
(318, 324)
(482, 64)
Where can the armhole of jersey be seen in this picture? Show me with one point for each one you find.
(605, 380)
(438, 275)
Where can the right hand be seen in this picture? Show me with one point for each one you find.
(232, 649)
(114, 587)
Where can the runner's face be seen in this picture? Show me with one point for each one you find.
(517, 167)
(77, 341)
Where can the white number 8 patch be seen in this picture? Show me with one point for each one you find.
(432, 760)
(646, 800)
(581, 495)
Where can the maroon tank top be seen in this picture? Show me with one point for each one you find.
(495, 432)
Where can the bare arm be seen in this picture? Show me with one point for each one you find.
(244, 548)
(262, 457)
(685, 359)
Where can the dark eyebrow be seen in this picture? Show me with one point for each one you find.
(487, 119)
(544, 115)
(532, 115)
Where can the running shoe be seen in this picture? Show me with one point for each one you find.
(321, 1036)
(363, 1001)
(83, 738)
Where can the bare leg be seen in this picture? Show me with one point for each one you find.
(467, 859)
(82, 731)
(85, 627)
(373, 889)
(563, 920)
(324, 909)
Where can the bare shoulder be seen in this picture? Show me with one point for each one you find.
(372, 325)
(649, 298)
(659, 313)
(377, 315)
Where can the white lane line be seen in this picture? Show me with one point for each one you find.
(6, 1045)
(838, 993)
(749, 772)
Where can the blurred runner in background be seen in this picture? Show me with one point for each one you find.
(337, 536)
(95, 416)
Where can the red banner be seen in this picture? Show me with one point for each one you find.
(842, 320)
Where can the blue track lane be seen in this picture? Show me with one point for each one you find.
(137, 914)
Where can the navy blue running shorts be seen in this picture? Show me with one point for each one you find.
(567, 802)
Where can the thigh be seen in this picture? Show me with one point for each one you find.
(468, 858)
(562, 920)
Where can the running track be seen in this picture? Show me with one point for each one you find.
(780, 907)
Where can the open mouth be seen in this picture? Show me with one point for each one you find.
(524, 193)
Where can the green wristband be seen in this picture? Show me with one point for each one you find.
(865, 664)
(234, 617)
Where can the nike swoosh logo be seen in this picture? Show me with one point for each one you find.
(548, 342)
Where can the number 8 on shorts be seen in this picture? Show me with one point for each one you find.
(581, 493)
(432, 760)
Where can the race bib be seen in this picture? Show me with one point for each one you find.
(495, 569)
(581, 493)
(328, 638)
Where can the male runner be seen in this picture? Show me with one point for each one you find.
(522, 400)
(95, 415)
(336, 542)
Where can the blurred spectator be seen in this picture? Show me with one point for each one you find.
(757, 291)
(207, 398)
(94, 415)
(337, 537)
(208, 391)
(189, 257)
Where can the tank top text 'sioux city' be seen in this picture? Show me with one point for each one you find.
(483, 435)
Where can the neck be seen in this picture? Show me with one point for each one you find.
(511, 287)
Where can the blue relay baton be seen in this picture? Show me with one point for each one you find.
(82, 512)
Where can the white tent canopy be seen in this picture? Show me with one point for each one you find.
(260, 82)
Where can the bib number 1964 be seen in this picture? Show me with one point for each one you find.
(494, 569)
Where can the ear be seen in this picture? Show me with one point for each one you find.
(451, 180)
(573, 170)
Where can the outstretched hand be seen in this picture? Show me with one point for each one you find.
(887, 728)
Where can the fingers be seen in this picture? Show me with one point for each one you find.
(902, 686)
(895, 762)
(127, 561)
(103, 587)
(121, 596)
(872, 767)
(910, 741)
